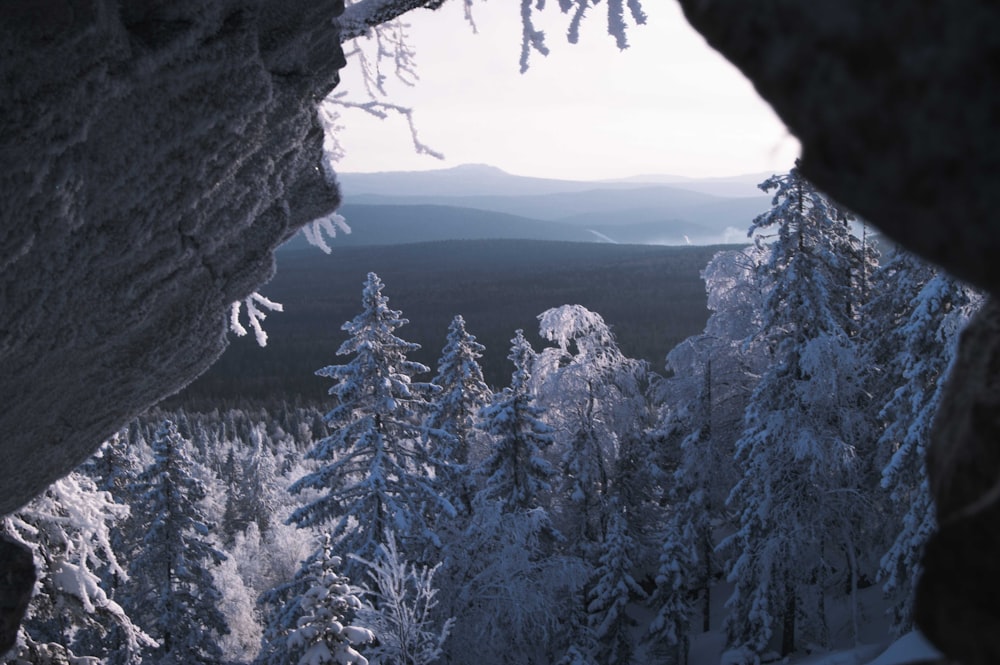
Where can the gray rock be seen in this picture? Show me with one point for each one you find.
(155, 153)
(17, 581)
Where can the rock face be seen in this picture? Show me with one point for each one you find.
(897, 108)
(957, 605)
(155, 153)
(17, 581)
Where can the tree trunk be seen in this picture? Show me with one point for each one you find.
(788, 621)
(706, 555)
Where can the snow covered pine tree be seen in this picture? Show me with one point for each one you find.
(797, 497)
(171, 592)
(375, 473)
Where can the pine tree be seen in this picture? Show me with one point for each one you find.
(171, 590)
(68, 530)
(796, 498)
(323, 634)
(453, 413)
(671, 600)
(374, 472)
(610, 594)
(515, 472)
(925, 342)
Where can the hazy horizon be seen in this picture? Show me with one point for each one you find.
(667, 104)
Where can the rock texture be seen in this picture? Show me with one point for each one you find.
(155, 153)
(898, 111)
(957, 604)
(17, 581)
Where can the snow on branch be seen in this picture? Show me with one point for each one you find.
(327, 225)
(533, 39)
(382, 110)
(254, 314)
(379, 51)
(359, 17)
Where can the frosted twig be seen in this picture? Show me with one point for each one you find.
(254, 314)
(382, 110)
(327, 225)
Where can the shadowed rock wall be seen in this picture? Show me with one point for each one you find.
(154, 153)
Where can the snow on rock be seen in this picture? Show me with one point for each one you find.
(155, 153)
(910, 648)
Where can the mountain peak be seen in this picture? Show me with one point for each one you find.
(478, 169)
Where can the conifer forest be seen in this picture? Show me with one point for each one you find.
(759, 495)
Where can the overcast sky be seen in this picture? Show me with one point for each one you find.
(669, 104)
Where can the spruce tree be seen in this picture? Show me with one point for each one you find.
(324, 634)
(453, 412)
(171, 590)
(611, 592)
(925, 345)
(374, 472)
(796, 497)
(505, 582)
(671, 600)
(515, 471)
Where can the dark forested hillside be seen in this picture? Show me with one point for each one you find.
(652, 297)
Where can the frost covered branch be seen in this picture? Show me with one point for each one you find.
(254, 314)
(328, 226)
(533, 39)
(360, 17)
(382, 110)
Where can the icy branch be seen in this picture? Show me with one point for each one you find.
(328, 226)
(382, 110)
(361, 16)
(531, 38)
(254, 314)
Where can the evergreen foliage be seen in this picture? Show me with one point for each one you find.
(612, 591)
(324, 634)
(797, 497)
(374, 475)
(574, 517)
(671, 600)
(515, 472)
(171, 591)
(453, 411)
(932, 309)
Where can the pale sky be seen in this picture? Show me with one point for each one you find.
(668, 104)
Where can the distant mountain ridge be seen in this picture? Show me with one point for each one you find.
(482, 179)
(477, 201)
(405, 224)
